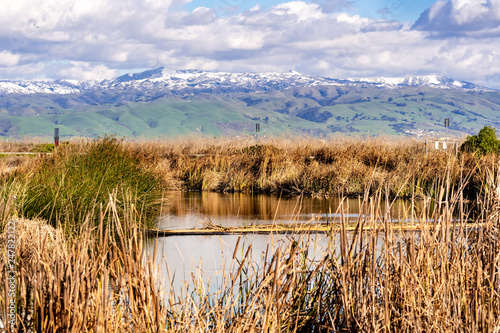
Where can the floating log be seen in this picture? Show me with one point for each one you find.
(282, 229)
(233, 231)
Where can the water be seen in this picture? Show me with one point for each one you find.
(187, 210)
(210, 257)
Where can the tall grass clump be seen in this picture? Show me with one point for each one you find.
(100, 281)
(78, 178)
(336, 166)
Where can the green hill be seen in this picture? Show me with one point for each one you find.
(317, 111)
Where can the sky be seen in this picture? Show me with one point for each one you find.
(99, 39)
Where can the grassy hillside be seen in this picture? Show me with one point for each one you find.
(317, 111)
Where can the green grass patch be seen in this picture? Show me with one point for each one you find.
(76, 181)
(43, 148)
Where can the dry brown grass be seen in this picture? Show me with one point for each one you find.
(19, 145)
(8, 164)
(443, 277)
(36, 240)
(91, 283)
(339, 166)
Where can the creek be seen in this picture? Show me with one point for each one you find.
(209, 257)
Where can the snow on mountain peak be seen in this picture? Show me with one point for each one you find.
(181, 80)
(424, 80)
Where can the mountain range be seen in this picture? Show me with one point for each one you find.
(166, 103)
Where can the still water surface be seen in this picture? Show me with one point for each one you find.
(211, 256)
(187, 210)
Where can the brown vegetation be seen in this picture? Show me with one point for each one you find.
(17, 145)
(442, 277)
(91, 283)
(340, 166)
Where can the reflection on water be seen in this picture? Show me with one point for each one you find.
(210, 257)
(186, 210)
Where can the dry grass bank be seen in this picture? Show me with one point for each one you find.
(18, 145)
(338, 166)
(341, 166)
(444, 277)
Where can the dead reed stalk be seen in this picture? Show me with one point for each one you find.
(92, 283)
(444, 276)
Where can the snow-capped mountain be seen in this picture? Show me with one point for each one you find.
(200, 80)
(159, 102)
(427, 80)
(180, 82)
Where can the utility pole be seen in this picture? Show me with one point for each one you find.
(56, 136)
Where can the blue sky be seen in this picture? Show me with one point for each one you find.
(405, 10)
(98, 39)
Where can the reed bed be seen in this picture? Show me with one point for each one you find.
(91, 283)
(337, 166)
(443, 276)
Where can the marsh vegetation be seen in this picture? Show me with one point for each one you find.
(81, 264)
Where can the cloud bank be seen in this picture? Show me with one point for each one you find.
(464, 18)
(97, 39)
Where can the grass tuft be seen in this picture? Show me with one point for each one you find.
(442, 276)
(78, 178)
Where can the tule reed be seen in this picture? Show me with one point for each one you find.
(443, 276)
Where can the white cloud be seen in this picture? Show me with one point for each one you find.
(469, 11)
(98, 38)
(460, 18)
(28, 71)
(301, 10)
(78, 70)
(8, 59)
